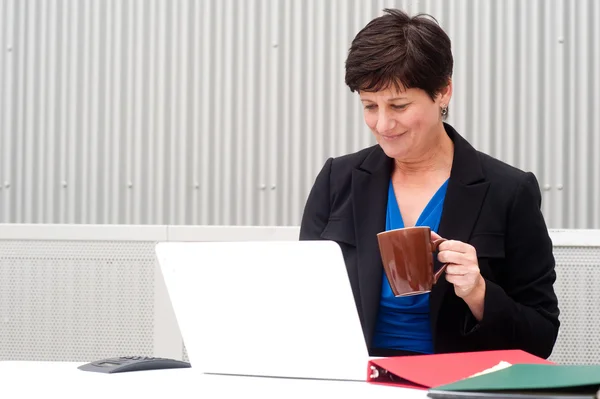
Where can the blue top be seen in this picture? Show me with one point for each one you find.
(403, 323)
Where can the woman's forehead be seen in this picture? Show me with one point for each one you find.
(388, 94)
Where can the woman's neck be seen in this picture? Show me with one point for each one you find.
(436, 161)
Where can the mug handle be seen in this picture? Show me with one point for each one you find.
(434, 245)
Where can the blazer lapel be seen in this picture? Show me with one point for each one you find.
(464, 197)
(369, 192)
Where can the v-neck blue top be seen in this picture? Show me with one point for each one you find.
(403, 323)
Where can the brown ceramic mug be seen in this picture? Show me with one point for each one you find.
(407, 256)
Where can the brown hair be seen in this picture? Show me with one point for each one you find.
(406, 52)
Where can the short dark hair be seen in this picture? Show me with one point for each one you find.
(399, 50)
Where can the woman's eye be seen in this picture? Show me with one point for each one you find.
(399, 106)
(370, 106)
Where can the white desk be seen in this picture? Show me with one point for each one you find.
(63, 380)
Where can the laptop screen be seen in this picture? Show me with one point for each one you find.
(282, 309)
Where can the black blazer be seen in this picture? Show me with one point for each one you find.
(488, 204)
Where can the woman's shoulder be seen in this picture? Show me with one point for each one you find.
(342, 166)
(499, 173)
(503, 175)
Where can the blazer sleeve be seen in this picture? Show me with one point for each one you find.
(317, 207)
(522, 309)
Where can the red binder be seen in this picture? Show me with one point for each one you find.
(427, 371)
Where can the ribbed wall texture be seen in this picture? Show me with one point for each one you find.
(222, 112)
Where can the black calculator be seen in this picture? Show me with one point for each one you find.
(133, 363)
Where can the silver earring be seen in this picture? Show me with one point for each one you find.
(444, 110)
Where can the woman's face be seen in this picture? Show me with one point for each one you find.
(406, 123)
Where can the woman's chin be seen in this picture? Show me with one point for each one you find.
(392, 151)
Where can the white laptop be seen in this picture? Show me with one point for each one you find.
(279, 309)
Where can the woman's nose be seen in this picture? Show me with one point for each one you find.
(384, 122)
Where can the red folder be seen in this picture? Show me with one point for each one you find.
(427, 371)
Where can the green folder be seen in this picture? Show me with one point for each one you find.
(526, 381)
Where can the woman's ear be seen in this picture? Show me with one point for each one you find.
(445, 93)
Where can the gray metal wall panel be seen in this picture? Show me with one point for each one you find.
(222, 112)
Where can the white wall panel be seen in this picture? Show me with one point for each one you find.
(223, 112)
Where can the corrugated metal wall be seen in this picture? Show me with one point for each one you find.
(222, 112)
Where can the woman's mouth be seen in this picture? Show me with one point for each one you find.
(390, 137)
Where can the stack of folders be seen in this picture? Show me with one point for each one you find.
(511, 374)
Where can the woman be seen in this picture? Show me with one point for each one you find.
(498, 288)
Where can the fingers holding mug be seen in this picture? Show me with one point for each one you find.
(463, 268)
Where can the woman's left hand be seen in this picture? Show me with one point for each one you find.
(462, 270)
